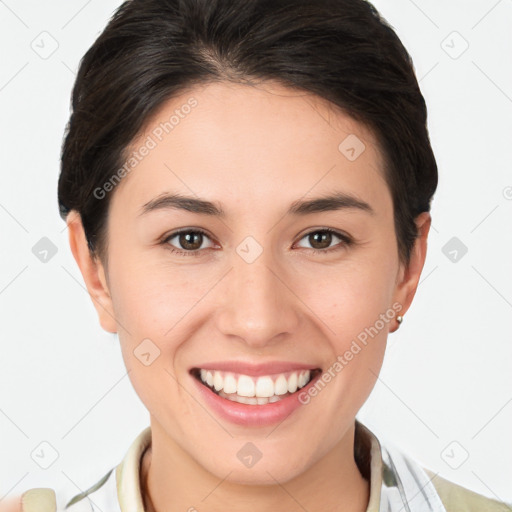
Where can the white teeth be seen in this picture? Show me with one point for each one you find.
(251, 400)
(229, 384)
(281, 385)
(218, 381)
(263, 389)
(292, 383)
(245, 386)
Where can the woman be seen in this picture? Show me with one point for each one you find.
(247, 186)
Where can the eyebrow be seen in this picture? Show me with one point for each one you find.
(330, 202)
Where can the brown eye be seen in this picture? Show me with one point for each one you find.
(320, 240)
(188, 242)
(191, 240)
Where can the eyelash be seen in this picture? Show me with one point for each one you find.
(346, 241)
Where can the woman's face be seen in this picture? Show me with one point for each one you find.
(252, 289)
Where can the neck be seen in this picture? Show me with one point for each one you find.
(333, 483)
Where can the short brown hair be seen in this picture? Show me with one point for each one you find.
(151, 50)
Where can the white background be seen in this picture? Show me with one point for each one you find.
(445, 391)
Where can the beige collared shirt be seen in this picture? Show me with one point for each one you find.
(119, 490)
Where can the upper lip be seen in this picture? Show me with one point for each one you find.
(253, 369)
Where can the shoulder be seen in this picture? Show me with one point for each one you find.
(456, 498)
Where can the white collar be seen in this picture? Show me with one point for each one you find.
(396, 480)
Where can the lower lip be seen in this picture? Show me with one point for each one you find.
(253, 415)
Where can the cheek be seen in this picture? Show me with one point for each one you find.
(158, 308)
(358, 315)
(151, 305)
(354, 304)
(150, 299)
(350, 297)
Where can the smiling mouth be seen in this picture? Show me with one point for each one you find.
(251, 390)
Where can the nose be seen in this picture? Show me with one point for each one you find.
(258, 303)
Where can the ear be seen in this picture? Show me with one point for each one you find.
(92, 271)
(408, 277)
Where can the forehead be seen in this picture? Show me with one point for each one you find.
(251, 144)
